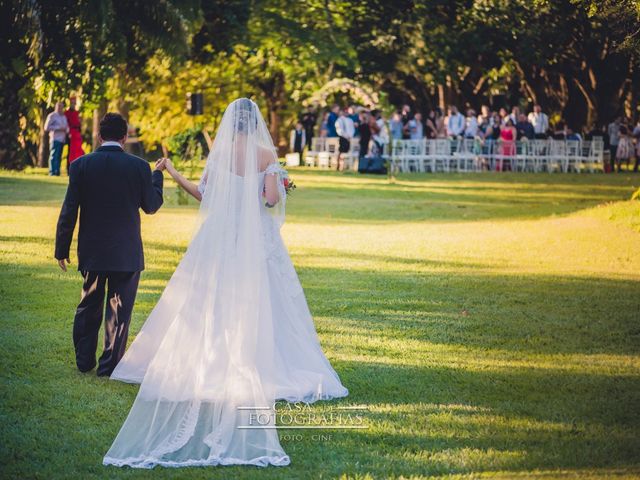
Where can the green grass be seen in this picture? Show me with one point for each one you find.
(490, 324)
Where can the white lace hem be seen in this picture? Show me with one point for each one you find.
(150, 462)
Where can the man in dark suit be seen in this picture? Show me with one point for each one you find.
(109, 187)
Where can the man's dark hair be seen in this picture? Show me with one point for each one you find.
(113, 127)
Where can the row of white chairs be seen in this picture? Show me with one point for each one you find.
(324, 153)
(464, 155)
(469, 155)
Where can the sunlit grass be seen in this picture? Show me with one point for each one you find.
(488, 324)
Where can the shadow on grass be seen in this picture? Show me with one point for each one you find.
(511, 419)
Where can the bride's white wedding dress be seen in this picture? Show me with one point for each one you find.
(231, 333)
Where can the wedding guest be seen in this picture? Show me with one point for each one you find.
(570, 134)
(364, 131)
(508, 146)
(514, 115)
(503, 116)
(440, 124)
(431, 130)
(297, 139)
(636, 135)
(471, 125)
(331, 121)
(485, 115)
(624, 150)
(415, 128)
(540, 122)
(353, 113)
(75, 137)
(406, 114)
(309, 119)
(345, 130)
(324, 125)
(614, 137)
(455, 122)
(57, 126)
(395, 125)
(379, 131)
(524, 128)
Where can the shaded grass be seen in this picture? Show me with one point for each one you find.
(502, 343)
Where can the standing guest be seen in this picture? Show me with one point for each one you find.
(395, 125)
(455, 122)
(75, 137)
(440, 124)
(485, 115)
(484, 125)
(324, 125)
(624, 150)
(364, 130)
(508, 147)
(297, 139)
(503, 116)
(331, 121)
(379, 131)
(430, 124)
(346, 130)
(540, 122)
(524, 128)
(415, 128)
(614, 138)
(471, 125)
(309, 119)
(355, 116)
(636, 136)
(406, 114)
(57, 126)
(515, 115)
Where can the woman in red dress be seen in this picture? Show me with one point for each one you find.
(75, 138)
(508, 145)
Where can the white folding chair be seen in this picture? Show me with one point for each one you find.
(557, 155)
(573, 159)
(324, 159)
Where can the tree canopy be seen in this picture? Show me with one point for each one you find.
(578, 58)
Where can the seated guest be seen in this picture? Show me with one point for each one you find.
(571, 135)
(524, 128)
(297, 139)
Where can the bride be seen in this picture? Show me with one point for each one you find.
(231, 333)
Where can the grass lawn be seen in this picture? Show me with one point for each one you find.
(488, 324)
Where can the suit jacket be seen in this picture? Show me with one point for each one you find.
(109, 187)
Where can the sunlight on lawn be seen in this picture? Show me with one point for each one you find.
(487, 323)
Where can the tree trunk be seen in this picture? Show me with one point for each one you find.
(43, 139)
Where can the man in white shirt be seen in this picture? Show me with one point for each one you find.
(346, 129)
(58, 127)
(471, 127)
(540, 122)
(455, 122)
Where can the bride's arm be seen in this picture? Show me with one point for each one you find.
(190, 187)
(271, 193)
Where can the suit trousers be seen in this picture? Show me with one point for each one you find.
(121, 289)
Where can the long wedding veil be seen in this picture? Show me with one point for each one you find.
(203, 354)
